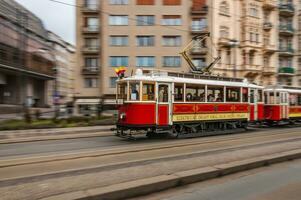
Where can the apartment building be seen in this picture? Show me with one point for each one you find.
(62, 89)
(131, 33)
(256, 39)
(25, 62)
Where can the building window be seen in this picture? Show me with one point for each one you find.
(254, 12)
(119, 40)
(119, 2)
(113, 82)
(91, 63)
(117, 61)
(171, 61)
(224, 8)
(144, 41)
(145, 20)
(171, 2)
(145, 2)
(145, 61)
(171, 41)
(91, 42)
(118, 20)
(91, 23)
(199, 24)
(91, 82)
(224, 32)
(171, 20)
(199, 62)
(91, 4)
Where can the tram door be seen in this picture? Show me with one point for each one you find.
(164, 104)
(284, 107)
(254, 104)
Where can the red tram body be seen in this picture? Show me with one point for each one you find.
(186, 104)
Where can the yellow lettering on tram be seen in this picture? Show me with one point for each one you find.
(295, 115)
(209, 117)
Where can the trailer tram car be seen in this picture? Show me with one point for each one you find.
(282, 105)
(185, 105)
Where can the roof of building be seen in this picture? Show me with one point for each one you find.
(16, 13)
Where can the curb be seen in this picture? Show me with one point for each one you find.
(57, 137)
(163, 182)
(35, 135)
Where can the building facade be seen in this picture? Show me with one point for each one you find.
(25, 64)
(64, 59)
(256, 39)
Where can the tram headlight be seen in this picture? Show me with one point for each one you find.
(122, 116)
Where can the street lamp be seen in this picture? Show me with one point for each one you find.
(234, 44)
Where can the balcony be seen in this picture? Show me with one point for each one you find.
(200, 10)
(91, 29)
(90, 71)
(269, 48)
(90, 8)
(269, 4)
(286, 71)
(267, 70)
(286, 9)
(90, 50)
(267, 26)
(286, 30)
(223, 41)
(286, 51)
(199, 50)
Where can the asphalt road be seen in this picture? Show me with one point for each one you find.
(8, 151)
(50, 147)
(277, 182)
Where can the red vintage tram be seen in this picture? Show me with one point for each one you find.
(184, 105)
(282, 104)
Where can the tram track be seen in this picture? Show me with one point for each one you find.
(134, 148)
(136, 158)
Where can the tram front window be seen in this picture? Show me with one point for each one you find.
(122, 91)
(134, 91)
(148, 92)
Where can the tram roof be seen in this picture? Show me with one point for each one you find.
(199, 79)
(288, 89)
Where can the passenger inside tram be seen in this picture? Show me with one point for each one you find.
(134, 91)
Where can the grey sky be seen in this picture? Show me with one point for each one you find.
(57, 18)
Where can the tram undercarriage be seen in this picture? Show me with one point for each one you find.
(184, 129)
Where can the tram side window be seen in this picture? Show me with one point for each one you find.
(215, 94)
(195, 93)
(299, 99)
(122, 91)
(266, 97)
(179, 91)
(272, 98)
(260, 96)
(245, 95)
(148, 92)
(163, 93)
(232, 94)
(277, 98)
(134, 89)
(293, 98)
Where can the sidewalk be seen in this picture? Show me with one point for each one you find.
(53, 133)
